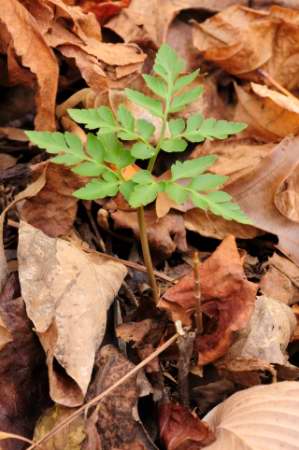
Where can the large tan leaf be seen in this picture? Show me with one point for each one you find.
(258, 418)
(67, 293)
(255, 196)
(35, 54)
(155, 17)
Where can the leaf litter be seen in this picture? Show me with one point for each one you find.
(81, 319)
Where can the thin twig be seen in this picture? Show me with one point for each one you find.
(266, 76)
(103, 394)
(185, 345)
(197, 293)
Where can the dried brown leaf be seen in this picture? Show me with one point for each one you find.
(67, 293)
(267, 334)
(165, 235)
(35, 54)
(246, 371)
(154, 18)
(182, 430)
(286, 197)
(281, 281)
(113, 426)
(53, 209)
(255, 196)
(227, 297)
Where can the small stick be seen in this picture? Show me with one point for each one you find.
(185, 345)
(266, 76)
(197, 293)
(103, 394)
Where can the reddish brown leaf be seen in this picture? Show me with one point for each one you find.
(53, 209)
(227, 298)
(181, 430)
(30, 45)
(104, 10)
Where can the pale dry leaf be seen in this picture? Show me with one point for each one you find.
(267, 334)
(258, 418)
(255, 196)
(281, 281)
(35, 54)
(70, 437)
(286, 197)
(67, 294)
(268, 117)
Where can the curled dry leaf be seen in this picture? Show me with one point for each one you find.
(53, 209)
(281, 281)
(247, 371)
(21, 358)
(232, 40)
(35, 54)
(227, 298)
(269, 114)
(69, 438)
(114, 426)
(67, 293)
(255, 196)
(257, 418)
(181, 430)
(154, 18)
(165, 235)
(286, 197)
(267, 334)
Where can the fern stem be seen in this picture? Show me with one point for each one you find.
(147, 254)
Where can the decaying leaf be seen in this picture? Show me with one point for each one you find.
(269, 114)
(182, 430)
(232, 39)
(154, 18)
(287, 196)
(67, 293)
(281, 281)
(267, 334)
(257, 418)
(165, 235)
(114, 425)
(247, 371)
(21, 358)
(53, 209)
(69, 438)
(30, 45)
(227, 297)
(255, 196)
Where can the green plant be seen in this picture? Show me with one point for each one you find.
(107, 152)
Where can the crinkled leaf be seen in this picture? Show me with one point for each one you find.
(174, 145)
(180, 101)
(149, 103)
(142, 151)
(156, 85)
(192, 167)
(97, 189)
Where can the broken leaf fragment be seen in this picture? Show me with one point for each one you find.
(67, 294)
